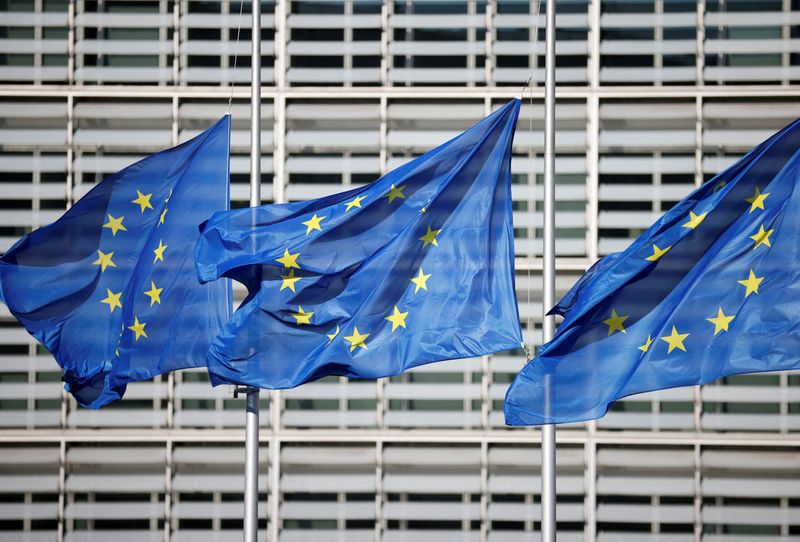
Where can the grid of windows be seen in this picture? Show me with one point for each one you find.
(655, 97)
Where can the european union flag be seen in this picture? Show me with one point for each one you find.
(710, 290)
(110, 287)
(415, 267)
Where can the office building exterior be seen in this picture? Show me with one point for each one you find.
(654, 98)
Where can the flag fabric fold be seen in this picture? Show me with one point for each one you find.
(110, 287)
(413, 268)
(709, 290)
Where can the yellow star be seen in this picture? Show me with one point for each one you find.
(169, 196)
(289, 280)
(112, 300)
(751, 284)
(301, 316)
(430, 238)
(762, 237)
(143, 200)
(398, 319)
(421, 281)
(334, 334)
(119, 339)
(395, 193)
(159, 252)
(675, 340)
(614, 323)
(288, 260)
(154, 293)
(646, 346)
(313, 223)
(719, 185)
(694, 220)
(104, 260)
(163, 216)
(138, 328)
(115, 224)
(757, 201)
(657, 253)
(355, 203)
(721, 321)
(356, 339)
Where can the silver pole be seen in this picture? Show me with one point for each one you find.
(251, 468)
(251, 423)
(255, 110)
(549, 268)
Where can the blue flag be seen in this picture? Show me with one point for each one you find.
(110, 287)
(415, 267)
(710, 290)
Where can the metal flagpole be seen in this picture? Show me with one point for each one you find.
(251, 425)
(549, 269)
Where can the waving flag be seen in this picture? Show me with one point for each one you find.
(414, 268)
(709, 290)
(110, 287)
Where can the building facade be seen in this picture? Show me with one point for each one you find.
(654, 98)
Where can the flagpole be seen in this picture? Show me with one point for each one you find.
(251, 416)
(549, 270)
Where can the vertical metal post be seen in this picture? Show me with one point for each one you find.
(255, 109)
(549, 269)
(251, 468)
(282, 8)
(251, 423)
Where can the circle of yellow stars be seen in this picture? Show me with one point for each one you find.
(105, 260)
(721, 321)
(289, 280)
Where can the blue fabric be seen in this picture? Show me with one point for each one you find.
(355, 270)
(698, 299)
(78, 285)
